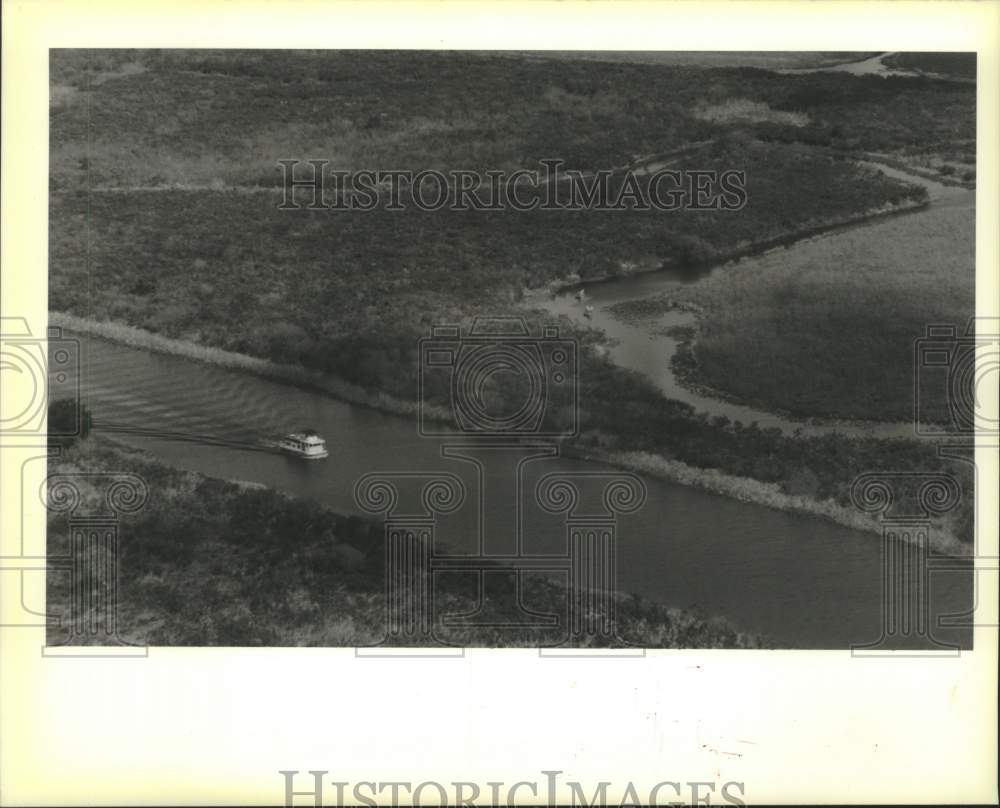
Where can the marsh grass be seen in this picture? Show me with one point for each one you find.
(827, 328)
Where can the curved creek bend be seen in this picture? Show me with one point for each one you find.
(643, 345)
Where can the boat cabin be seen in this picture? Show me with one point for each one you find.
(305, 444)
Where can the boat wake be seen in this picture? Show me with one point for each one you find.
(249, 444)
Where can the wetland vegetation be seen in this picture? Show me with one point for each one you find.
(164, 215)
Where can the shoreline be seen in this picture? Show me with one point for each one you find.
(688, 377)
(735, 255)
(144, 459)
(755, 492)
(745, 489)
(140, 338)
(918, 177)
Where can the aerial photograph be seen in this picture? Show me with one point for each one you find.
(559, 349)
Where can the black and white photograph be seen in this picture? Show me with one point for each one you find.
(571, 349)
(528, 403)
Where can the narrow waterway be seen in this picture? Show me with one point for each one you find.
(804, 582)
(647, 344)
(873, 66)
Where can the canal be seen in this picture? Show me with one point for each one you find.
(803, 581)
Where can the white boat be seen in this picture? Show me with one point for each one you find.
(306, 444)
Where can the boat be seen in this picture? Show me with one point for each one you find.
(306, 444)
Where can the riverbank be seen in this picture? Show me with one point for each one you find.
(756, 492)
(916, 171)
(206, 562)
(289, 374)
(572, 283)
(745, 489)
(643, 312)
(923, 178)
(774, 301)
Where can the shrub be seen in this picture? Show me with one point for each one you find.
(68, 421)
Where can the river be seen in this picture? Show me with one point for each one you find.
(646, 345)
(873, 66)
(804, 582)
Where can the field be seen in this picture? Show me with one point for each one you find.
(959, 65)
(138, 118)
(207, 562)
(827, 328)
(231, 270)
(350, 292)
